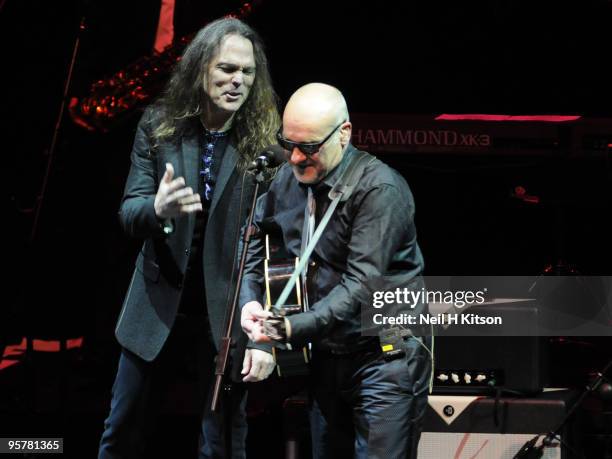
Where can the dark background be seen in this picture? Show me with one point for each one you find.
(412, 57)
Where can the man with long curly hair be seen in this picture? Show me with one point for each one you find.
(187, 196)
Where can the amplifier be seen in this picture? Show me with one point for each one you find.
(478, 364)
(465, 427)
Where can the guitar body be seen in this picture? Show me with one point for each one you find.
(278, 268)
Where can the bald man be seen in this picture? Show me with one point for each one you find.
(363, 403)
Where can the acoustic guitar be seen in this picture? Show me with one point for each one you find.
(278, 268)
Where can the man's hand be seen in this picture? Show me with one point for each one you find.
(173, 198)
(257, 365)
(251, 321)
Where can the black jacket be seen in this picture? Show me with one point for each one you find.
(153, 297)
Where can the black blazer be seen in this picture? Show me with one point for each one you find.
(152, 300)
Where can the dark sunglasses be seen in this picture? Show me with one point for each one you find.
(308, 148)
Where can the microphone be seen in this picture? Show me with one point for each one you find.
(272, 156)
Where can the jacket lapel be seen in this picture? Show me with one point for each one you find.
(228, 164)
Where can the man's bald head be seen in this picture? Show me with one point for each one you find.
(316, 103)
(314, 112)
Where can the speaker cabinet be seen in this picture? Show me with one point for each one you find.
(475, 427)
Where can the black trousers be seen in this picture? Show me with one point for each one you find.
(140, 388)
(363, 406)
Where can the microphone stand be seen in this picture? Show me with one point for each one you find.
(17, 310)
(58, 123)
(530, 451)
(226, 339)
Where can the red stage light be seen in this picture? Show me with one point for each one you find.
(528, 118)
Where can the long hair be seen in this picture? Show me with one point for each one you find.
(181, 104)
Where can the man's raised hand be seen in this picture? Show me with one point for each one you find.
(173, 198)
